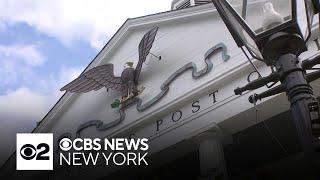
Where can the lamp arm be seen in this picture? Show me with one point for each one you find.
(313, 76)
(308, 64)
(273, 77)
(276, 90)
(279, 89)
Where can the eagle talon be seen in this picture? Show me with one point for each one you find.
(132, 94)
(135, 93)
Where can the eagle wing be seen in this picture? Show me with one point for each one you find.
(144, 50)
(95, 79)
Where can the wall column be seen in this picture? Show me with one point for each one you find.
(211, 156)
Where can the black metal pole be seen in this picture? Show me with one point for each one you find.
(303, 103)
(282, 50)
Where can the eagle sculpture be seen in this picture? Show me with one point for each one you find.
(103, 76)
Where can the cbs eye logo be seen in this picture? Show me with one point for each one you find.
(28, 151)
(34, 152)
(65, 144)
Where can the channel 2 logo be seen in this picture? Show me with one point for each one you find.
(34, 152)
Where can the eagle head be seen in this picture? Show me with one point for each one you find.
(128, 65)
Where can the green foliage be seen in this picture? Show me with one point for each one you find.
(116, 103)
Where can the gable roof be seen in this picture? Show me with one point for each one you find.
(129, 25)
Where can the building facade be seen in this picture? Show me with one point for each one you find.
(197, 127)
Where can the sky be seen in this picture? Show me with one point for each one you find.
(45, 44)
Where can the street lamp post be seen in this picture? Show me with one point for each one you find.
(276, 33)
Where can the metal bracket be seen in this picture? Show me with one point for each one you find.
(273, 77)
(276, 90)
